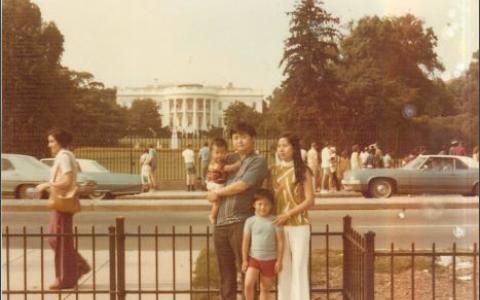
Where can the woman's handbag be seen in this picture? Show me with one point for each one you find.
(65, 200)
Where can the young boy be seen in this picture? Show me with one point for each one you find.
(262, 247)
(217, 171)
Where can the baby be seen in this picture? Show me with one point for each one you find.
(262, 246)
(217, 171)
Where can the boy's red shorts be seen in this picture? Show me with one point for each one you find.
(266, 267)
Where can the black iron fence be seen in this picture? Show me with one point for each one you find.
(167, 264)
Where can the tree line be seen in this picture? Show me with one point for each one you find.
(39, 93)
(376, 81)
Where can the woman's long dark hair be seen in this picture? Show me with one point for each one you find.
(298, 164)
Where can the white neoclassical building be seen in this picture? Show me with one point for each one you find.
(190, 108)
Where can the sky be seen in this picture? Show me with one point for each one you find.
(132, 43)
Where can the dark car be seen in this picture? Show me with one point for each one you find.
(432, 174)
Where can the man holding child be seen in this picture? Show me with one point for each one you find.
(235, 201)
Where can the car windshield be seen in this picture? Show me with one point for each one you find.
(92, 166)
(415, 163)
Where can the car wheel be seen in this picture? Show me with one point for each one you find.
(381, 188)
(22, 191)
(95, 195)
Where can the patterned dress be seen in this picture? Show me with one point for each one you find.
(287, 193)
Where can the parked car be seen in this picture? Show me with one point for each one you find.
(109, 184)
(21, 172)
(433, 174)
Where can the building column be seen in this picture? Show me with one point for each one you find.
(184, 113)
(204, 119)
(194, 118)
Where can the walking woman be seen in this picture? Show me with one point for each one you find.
(69, 265)
(291, 181)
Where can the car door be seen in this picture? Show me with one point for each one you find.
(9, 176)
(463, 177)
(435, 175)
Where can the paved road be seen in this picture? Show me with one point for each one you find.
(424, 227)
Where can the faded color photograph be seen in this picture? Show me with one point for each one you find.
(224, 150)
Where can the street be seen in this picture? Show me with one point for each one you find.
(421, 226)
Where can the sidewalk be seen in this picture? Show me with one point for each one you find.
(102, 276)
(195, 201)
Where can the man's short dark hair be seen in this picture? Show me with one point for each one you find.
(264, 194)
(242, 127)
(219, 143)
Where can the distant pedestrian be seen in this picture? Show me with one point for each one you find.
(343, 165)
(443, 150)
(334, 161)
(153, 160)
(453, 145)
(364, 156)
(204, 155)
(312, 162)
(325, 155)
(371, 158)
(387, 160)
(70, 266)
(355, 161)
(459, 149)
(146, 170)
(189, 159)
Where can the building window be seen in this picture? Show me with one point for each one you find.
(254, 106)
(200, 104)
(220, 106)
(171, 104)
(208, 105)
(179, 104)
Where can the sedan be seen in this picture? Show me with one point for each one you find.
(23, 172)
(109, 184)
(433, 174)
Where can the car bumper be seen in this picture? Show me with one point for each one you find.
(353, 185)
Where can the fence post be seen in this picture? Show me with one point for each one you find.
(120, 224)
(369, 268)
(112, 261)
(347, 227)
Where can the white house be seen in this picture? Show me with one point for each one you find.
(192, 107)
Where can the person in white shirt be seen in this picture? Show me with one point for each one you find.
(363, 157)
(355, 162)
(312, 163)
(189, 159)
(303, 154)
(325, 167)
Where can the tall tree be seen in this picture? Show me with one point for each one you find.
(97, 119)
(310, 86)
(144, 118)
(388, 71)
(240, 112)
(35, 88)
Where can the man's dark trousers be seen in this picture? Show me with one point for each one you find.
(228, 246)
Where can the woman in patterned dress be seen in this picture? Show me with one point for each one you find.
(291, 181)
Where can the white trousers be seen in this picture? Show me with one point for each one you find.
(293, 281)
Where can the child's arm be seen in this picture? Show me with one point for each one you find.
(245, 250)
(280, 241)
(232, 167)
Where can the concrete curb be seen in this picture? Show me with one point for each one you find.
(170, 205)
